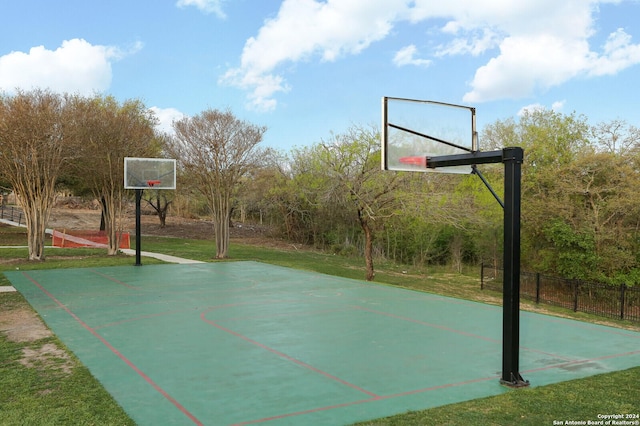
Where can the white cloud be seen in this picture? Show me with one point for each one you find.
(527, 64)
(304, 29)
(406, 56)
(556, 106)
(473, 43)
(528, 109)
(75, 67)
(207, 6)
(534, 58)
(529, 45)
(619, 53)
(166, 117)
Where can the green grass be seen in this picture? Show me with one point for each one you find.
(13, 235)
(36, 396)
(579, 400)
(45, 394)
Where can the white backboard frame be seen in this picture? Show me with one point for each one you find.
(149, 173)
(410, 133)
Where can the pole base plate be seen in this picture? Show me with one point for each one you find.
(516, 381)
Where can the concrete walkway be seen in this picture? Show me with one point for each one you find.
(8, 222)
(130, 252)
(163, 257)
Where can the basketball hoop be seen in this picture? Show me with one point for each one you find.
(152, 183)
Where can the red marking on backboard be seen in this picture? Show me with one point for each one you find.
(414, 161)
(153, 182)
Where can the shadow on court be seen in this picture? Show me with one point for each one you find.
(248, 343)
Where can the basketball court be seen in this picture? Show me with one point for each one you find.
(239, 343)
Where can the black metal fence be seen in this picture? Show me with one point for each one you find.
(12, 213)
(612, 301)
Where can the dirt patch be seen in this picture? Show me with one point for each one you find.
(47, 357)
(23, 325)
(8, 261)
(63, 218)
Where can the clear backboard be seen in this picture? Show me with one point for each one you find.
(413, 130)
(145, 173)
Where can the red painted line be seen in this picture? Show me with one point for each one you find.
(142, 317)
(300, 413)
(117, 353)
(117, 281)
(441, 327)
(251, 302)
(287, 314)
(545, 353)
(445, 386)
(453, 330)
(285, 356)
(364, 401)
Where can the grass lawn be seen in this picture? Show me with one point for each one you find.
(577, 400)
(51, 389)
(59, 390)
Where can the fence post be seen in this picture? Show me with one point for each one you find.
(623, 287)
(537, 287)
(575, 296)
(481, 275)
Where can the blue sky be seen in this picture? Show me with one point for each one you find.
(307, 68)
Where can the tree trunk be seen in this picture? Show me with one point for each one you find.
(368, 247)
(113, 234)
(161, 207)
(162, 215)
(221, 214)
(103, 225)
(36, 209)
(456, 251)
(36, 224)
(112, 211)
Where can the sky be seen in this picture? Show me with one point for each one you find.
(307, 69)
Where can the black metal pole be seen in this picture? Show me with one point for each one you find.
(512, 159)
(138, 249)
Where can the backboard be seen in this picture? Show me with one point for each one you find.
(413, 130)
(145, 173)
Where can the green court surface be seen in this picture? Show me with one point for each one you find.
(240, 343)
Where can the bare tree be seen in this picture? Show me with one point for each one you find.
(32, 151)
(352, 164)
(160, 201)
(104, 132)
(216, 150)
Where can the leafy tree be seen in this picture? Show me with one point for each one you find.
(106, 131)
(33, 148)
(580, 194)
(551, 142)
(351, 163)
(600, 194)
(572, 254)
(252, 199)
(216, 150)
